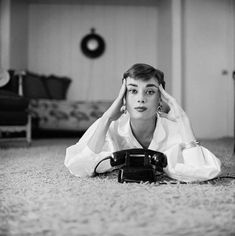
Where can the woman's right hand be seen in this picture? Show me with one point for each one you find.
(178, 115)
(97, 140)
(114, 111)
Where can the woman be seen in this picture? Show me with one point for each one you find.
(136, 119)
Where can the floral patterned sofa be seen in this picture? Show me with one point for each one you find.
(66, 115)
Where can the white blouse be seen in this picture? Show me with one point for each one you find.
(194, 164)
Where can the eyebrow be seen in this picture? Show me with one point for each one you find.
(151, 85)
(148, 85)
(134, 85)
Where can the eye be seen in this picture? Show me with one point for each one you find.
(132, 91)
(150, 92)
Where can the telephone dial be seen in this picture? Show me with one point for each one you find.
(137, 165)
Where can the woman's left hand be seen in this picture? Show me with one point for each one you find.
(178, 115)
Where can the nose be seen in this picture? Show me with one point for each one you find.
(141, 98)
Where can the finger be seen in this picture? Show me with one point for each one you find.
(166, 96)
(164, 93)
(167, 116)
(166, 99)
(176, 112)
(171, 101)
(123, 89)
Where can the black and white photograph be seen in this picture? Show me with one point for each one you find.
(117, 117)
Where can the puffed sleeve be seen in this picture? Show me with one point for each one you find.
(193, 164)
(81, 160)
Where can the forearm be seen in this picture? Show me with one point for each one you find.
(187, 131)
(97, 140)
(198, 164)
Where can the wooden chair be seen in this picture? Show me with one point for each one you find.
(14, 113)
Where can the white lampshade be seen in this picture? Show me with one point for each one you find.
(4, 77)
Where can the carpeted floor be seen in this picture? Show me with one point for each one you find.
(38, 196)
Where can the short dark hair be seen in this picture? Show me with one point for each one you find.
(145, 72)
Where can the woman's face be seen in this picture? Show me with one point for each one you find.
(142, 98)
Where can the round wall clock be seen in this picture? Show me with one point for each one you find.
(93, 45)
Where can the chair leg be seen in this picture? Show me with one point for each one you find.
(28, 130)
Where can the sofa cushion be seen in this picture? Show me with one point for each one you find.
(10, 101)
(34, 86)
(57, 86)
(13, 118)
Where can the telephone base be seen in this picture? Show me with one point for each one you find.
(136, 175)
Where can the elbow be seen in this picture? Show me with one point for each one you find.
(82, 163)
(79, 170)
(80, 166)
(216, 170)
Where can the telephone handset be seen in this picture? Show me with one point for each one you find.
(138, 164)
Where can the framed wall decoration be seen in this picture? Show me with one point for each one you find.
(92, 45)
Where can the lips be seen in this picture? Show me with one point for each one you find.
(140, 109)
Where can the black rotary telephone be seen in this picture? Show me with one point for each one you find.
(137, 165)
